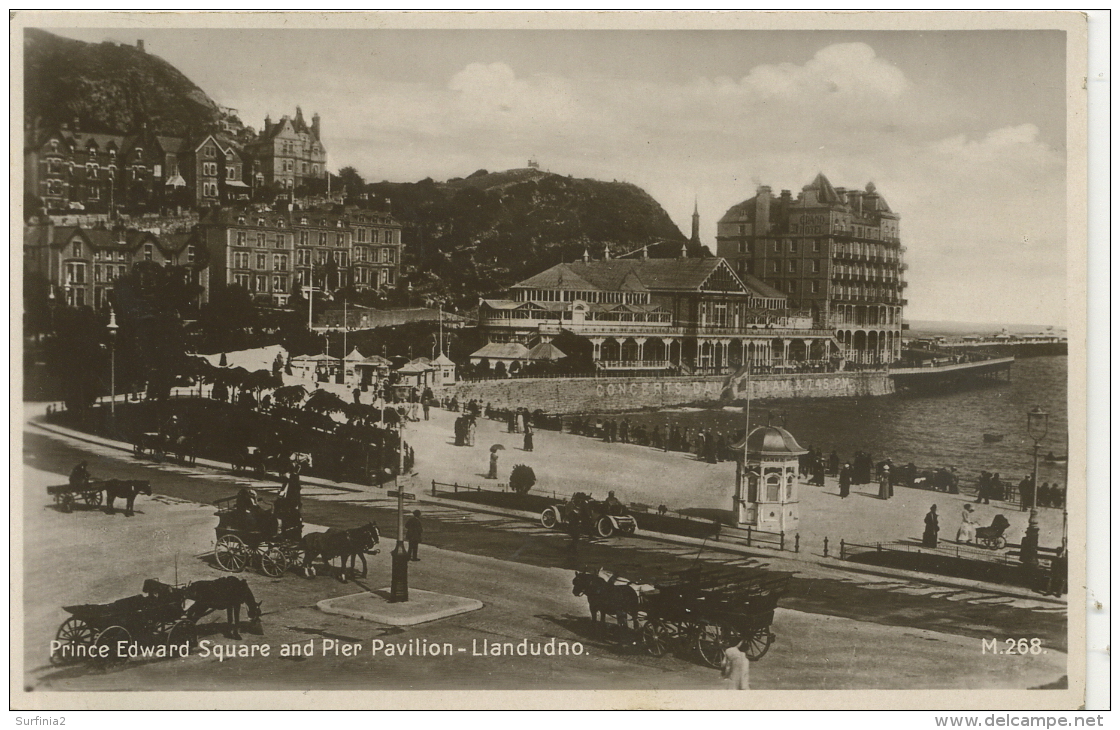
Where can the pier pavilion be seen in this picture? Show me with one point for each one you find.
(683, 315)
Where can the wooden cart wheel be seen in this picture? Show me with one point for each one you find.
(711, 640)
(758, 643)
(655, 638)
(182, 632)
(295, 555)
(72, 634)
(1000, 543)
(231, 553)
(548, 519)
(604, 527)
(273, 561)
(137, 450)
(92, 498)
(111, 637)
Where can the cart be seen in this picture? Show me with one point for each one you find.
(152, 625)
(601, 518)
(709, 610)
(250, 535)
(92, 493)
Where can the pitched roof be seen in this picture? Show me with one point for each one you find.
(502, 351)
(628, 275)
(826, 194)
(545, 351)
(443, 360)
(761, 287)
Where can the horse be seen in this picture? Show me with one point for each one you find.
(126, 489)
(180, 448)
(336, 543)
(228, 593)
(604, 598)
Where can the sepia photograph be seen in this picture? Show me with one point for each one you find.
(402, 356)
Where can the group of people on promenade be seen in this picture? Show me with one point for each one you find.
(708, 444)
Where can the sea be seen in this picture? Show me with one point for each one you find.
(929, 429)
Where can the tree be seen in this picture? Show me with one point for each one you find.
(499, 369)
(522, 478)
(151, 345)
(77, 357)
(350, 181)
(228, 319)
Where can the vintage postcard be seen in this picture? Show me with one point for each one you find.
(370, 360)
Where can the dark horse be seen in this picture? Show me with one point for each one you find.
(335, 543)
(126, 489)
(228, 593)
(604, 598)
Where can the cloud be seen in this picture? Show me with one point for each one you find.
(844, 69)
(986, 208)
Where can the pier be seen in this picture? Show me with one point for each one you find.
(951, 375)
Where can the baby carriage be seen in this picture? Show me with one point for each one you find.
(992, 537)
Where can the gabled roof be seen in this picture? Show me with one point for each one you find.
(355, 356)
(545, 351)
(761, 287)
(443, 360)
(634, 275)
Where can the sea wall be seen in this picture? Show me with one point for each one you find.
(584, 395)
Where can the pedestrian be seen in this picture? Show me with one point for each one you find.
(493, 473)
(967, 531)
(834, 463)
(427, 408)
(414, 533)
(79, 475)
(1044, 495)
(885, 482)
(1025, 494)
(511, 422)
(929, 537)
(983, 490)
(845, 481)
(1058, 568)
(736, 667)
(472, 427)
(528, 444)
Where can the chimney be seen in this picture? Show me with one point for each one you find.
(315, 125)
(586, 256)
(855, 199)
(606, 252)
(684, 251)
(645, 252)
(299, 116)
(140, 44)
(762, 210)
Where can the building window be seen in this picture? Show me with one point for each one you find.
(241, 238)
(260, 240)
(76, 249)
(241, 280)
(303, 257)
(278, 283)
(815, 287)
(792, 267)
(793, 246)
(303, 238)
(190, 254)
(76, 273)
(262, 283)
(816, 246)
(321, 258)
(816, 264)
(91, 171)
(241, 260)
(94, 192)
(280, 262)
(148, 251)
(392, 256)
(773, 267)
(121, 271)
(322, 238)
(373, 237)
(776, 246)
(210, 169)
(262, 261)
(231, 173)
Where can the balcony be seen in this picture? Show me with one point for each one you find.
(634, 364)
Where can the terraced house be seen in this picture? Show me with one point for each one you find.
(271, 253)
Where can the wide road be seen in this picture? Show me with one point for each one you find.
(835, 631)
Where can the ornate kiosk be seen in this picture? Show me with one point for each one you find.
(766, 486)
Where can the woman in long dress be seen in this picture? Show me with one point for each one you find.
(967, 531)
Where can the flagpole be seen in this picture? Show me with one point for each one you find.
(310, 288)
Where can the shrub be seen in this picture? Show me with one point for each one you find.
(522, 479)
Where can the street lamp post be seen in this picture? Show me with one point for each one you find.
(1038, 422)
(112, 327)
(398, 591)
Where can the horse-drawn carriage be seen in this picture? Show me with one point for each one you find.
(702, 610)
(151, 624)
(93, 492)
(249, 534)
(66, 495)
(599, 517)
(179, 447)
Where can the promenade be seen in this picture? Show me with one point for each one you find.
(565, 463)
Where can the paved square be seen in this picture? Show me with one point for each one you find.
(421, 607)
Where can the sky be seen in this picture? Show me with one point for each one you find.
(963, 132)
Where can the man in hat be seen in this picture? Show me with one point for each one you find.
(414, 533)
